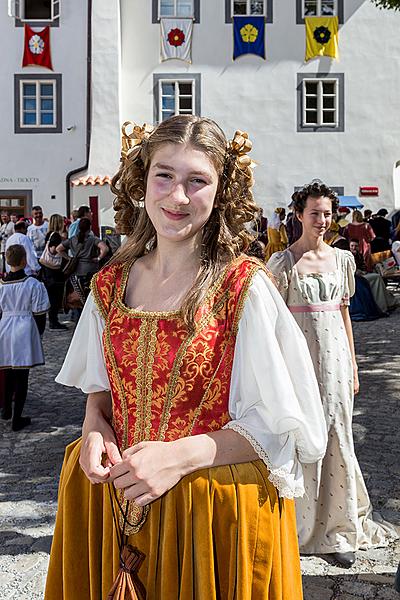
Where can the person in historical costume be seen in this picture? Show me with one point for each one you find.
(316, 282)
(363, 232)
(277, 237)
(383, 298)
(23, 305)
(203, 401)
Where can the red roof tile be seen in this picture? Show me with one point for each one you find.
(92, 180)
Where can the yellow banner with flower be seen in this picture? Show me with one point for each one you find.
(322, 37)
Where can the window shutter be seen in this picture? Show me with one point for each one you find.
(55, 9)
(14, 9)
(304, 102)
(336, 102)
(160, 93)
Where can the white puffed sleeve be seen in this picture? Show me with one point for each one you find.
(348, 276)
(274, 397)
(40, 298)
(279, 265)
(84, 366)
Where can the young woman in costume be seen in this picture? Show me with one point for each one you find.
(277, 236)
(316, 282)
(202, 395)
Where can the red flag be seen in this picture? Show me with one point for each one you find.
(37, 48)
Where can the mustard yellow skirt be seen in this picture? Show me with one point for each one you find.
(219, 534)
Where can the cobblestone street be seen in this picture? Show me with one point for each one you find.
(30, 464)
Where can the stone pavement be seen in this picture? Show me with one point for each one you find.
(30, 464)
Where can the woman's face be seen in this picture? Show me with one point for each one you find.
(317, 216)
(180, 193)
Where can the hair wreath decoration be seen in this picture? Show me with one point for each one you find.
(134, 139)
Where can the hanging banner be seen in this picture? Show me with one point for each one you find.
(176, 39)
(322, 37)
(37, 48)
(248, 36)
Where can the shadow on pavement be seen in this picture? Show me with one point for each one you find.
(357, 586)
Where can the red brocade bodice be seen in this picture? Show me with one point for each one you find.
(166, 381)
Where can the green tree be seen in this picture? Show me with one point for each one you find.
(394, 4)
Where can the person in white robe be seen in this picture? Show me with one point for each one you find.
(23, 305)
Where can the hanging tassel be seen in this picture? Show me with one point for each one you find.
(127, 585)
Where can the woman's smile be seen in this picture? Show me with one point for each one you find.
(174, 215)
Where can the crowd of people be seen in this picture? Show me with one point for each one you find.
(220, 372)
(47, 266)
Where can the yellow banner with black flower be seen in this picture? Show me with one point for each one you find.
(322, 37)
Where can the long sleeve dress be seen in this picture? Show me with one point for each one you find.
(335, 513)
(229, 530)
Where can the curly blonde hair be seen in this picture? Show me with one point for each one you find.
(225, 236)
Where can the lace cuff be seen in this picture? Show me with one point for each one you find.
(279, 477)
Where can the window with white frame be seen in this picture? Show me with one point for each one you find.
(320, 8)
(34, 10)
(176, 95)
(320, 100)
(176, 98)
(38, 104)
(248, 8)
(175, 8)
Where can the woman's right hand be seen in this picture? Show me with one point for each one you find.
(99, 450)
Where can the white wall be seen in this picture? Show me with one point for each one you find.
(105, 123)
(260, 96)
(45, 159)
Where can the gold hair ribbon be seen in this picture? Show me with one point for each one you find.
(239, 147)
(135, 137)
(241, 144)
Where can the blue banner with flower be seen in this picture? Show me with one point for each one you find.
(248, 36)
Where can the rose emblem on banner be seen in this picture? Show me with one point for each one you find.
(249, 33)
(36, 44)
(322, 35)
(176, 37)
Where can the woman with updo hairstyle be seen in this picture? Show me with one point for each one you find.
(316, 281)
(363, 232)
(197, 421)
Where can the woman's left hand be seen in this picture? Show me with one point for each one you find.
(147, 471)
(356, 382)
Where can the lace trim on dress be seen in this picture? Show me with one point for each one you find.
(278, 477)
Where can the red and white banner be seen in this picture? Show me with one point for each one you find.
(176, 39)
(37, 48)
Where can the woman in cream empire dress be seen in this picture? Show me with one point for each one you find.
(335, 514)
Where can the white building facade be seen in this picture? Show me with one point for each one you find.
(352, 102)
(44, 113)
(335, 120)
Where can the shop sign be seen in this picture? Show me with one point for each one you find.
(19, 179)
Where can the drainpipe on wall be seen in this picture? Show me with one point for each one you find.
(88, 111)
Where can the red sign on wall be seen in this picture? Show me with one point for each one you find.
(369, 190)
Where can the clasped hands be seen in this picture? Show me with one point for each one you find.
(144, 471)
